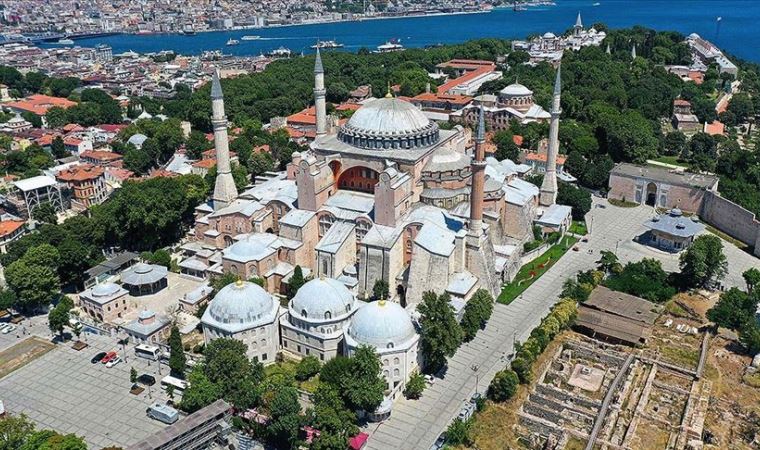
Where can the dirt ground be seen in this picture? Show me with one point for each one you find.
(23, 353)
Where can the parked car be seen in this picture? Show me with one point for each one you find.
(439, 443)
(466, 412)
(147, 380)
(162, 413)
(430, 379)
(475, 397)
(109, 356)
(113, 362)
(98, 357)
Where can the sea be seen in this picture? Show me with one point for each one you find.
(730, 24)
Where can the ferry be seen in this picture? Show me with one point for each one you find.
(233, 42)
(281, 52)
(250, 38)
(393, 45)
(323, 45)
(65, 42)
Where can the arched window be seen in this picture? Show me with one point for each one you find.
(303, 313)
(390, 345)
(328, 315)
(396, 372)
(395, 361)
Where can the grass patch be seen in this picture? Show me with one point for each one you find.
(683, 356)
(532, 271)
(21, 354)
(674, 309)
(725, 237)
(575, 443)
(672, 160)
(752, 379)
(578, 227)
(286, 371)
(622, 203)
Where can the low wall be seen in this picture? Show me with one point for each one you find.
(731, 219)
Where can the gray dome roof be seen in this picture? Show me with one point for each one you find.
(516, 89)
(320, 296)
(137, 139)
(248, 250)
(240, 306)
(381, 324)
(389, 123)
(105, 289)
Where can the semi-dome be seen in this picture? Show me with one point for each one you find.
(381, 324)
(549, 35)
(389, 123)
(516, 89)
(248, 250)
(240, 306)
(322, 298)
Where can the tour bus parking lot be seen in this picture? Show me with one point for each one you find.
(64, 391)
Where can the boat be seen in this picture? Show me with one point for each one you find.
(250, 38)
(596, 4)
(65, 42)
(394, 45)
(233, 42)
(188, 30)
(322, 45)
(281, 52)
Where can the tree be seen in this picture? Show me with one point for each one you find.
(285, 420)
(220, 281)
(307, 368)
(170, 392)
(45, 213)
(331, 416)
(503, 386)
(58, 319)
(197, 144)
(675, 143)
(138, 160)
(477, 311)
(201, 392)
(161, 257)
(364, 385)
(702, 152)
(752, 278)
(63, 442)
(576, 198)
(608, 262)
(703, 262)
(260, 163)
(132, 375)
(458, 433)
(522, 368)
(177, 358)
(415, 386)
(505, 146)
(733, 309)
(441, 334)
(34, 285)
(14, 431)
(380, 290)
(645, 279)
(749, 336)
(296, 281)
(59, 148)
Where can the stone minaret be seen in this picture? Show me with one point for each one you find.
(320, 106)
(549, 187)
(633, 52)
(578, 26)
(224, 189)
(609, 50)
(478, 168)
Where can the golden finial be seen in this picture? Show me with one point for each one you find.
(239, 283)
(381, 303)
(389, 94)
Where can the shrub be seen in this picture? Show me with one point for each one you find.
(532, 245)
(458, 433)
(521, 367)
(503, 386)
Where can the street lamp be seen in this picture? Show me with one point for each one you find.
(475, 368)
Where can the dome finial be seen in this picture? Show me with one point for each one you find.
(389, 94)
(239, 283)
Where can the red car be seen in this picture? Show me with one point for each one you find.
(109, 356)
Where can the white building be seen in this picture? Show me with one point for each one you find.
(246, 312)
(388, 328)
(317, 317)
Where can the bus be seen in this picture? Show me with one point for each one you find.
(148, 351)
(179, 385)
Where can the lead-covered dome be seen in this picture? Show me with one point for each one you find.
(239, 306)
(516, 89)
(389, 123)
(322, 299)
(381, 324)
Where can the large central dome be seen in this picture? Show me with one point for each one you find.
(389, 123)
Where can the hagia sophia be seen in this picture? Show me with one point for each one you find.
(388, 195)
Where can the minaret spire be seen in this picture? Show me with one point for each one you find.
(633, 51)
(478, 167)
(548, 192)
(224, 188)
(578, 25)
(320, 105)
(609, 50)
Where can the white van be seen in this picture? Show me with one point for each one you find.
(162, 413)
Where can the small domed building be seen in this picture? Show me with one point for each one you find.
(316, 319)
(388, 328)
(246, 312)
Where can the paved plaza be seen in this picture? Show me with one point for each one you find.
(416, 424)
(63, 391)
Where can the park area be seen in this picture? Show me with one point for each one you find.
(22, 353)
(532, 271)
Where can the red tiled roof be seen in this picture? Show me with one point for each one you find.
(72, 141)
(681, 102)
(119, 174)
(111, 128)
(205, 163)
(10, 226)
(69, 127)
(715, 128)
(101, 155)
(40, 104)
(542, 157)
(307, 116)
(262, 149)
(451, 84)
(442, 97)
(211, 154)
(467, 64)
(517, 139)
(82, 172)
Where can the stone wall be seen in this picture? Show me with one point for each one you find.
(731, 219)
